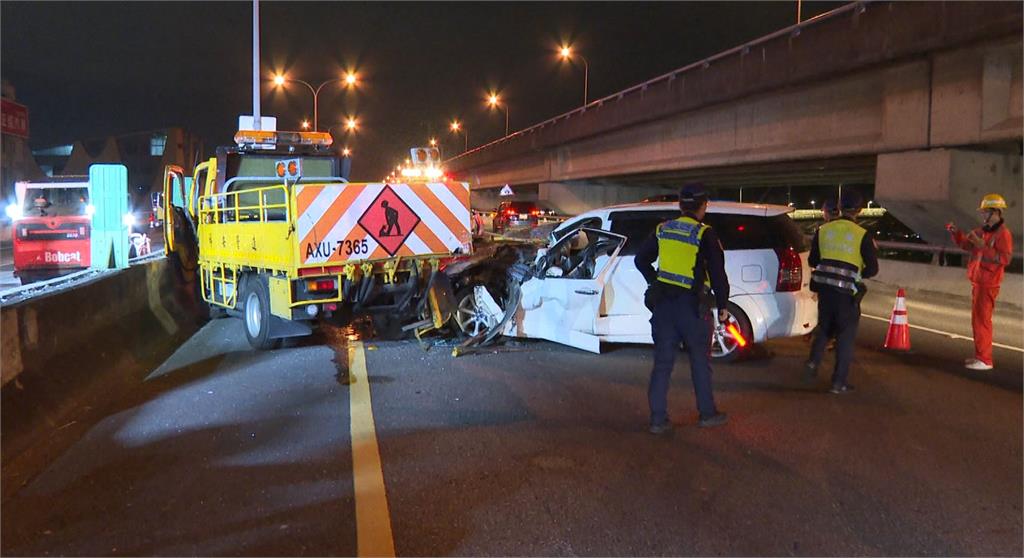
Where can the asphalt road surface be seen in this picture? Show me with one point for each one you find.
(530, 449)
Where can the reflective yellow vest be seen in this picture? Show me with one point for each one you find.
(840, 241)
(678, 245)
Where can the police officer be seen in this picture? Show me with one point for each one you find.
(829, 211)
(842, 256)
(690, 257)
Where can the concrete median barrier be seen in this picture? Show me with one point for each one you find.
(941, 280)
(79, 348)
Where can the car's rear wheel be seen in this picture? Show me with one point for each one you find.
(725, 346)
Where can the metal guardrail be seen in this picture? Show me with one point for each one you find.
(700, 64)
(940, 251)
(69, 280)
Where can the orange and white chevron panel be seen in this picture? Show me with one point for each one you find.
(339, 223)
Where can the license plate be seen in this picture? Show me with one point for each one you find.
(523, 216)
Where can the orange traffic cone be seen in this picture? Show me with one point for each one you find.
(898, 337)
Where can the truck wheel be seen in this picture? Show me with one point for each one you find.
(256, 315)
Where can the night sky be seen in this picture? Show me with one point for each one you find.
(87, 70)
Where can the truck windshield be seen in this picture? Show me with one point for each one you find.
(55, 202)
(250, 164)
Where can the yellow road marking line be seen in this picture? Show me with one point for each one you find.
(373, 520)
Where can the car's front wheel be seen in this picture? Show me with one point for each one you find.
(470, 318)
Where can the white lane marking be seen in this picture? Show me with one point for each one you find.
(947, 333)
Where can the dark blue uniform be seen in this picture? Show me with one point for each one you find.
(677, 315)
(838, 312)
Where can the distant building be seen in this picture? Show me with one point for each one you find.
(145, 154)
(16, 162)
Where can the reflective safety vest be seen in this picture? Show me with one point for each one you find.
(678, 244)
(839, 242)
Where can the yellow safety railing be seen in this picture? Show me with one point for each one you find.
(239, 207)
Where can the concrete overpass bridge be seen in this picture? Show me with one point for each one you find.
(921, 100)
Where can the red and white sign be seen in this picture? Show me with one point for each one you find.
(358, 221)
(13, 118)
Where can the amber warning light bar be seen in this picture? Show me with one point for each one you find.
(269, 140)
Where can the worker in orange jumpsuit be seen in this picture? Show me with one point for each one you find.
(991, 248)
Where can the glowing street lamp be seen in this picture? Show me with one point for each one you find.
(351, 124)
(433, 142)
(456, 127)
(349, 79)
(346, 152)
(566, 54)
(494, 102)
(305, 124)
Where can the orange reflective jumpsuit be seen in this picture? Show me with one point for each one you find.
(985, 270)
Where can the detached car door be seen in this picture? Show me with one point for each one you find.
(562, 299)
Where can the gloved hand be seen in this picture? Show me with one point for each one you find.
(723, 316)
(651, 298)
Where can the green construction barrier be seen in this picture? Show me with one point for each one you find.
(108, 194)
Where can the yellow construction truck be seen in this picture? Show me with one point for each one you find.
(275, 235)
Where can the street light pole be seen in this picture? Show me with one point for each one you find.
(495, 102)
(256, 64)
(457, 126)
(586, 78)
(566, 53)
(316, 96)
(349, 80)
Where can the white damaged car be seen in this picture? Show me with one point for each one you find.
(584, 289)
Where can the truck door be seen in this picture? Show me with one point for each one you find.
(561, 303)
(179, 226)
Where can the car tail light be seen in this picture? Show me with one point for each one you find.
(510, 212)
(791, 271)
(535, 212)
(320, 285)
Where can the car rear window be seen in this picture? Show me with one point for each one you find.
(737, 232)
(749, 232)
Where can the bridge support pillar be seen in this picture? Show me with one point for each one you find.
(572, 198)
(927, 189)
